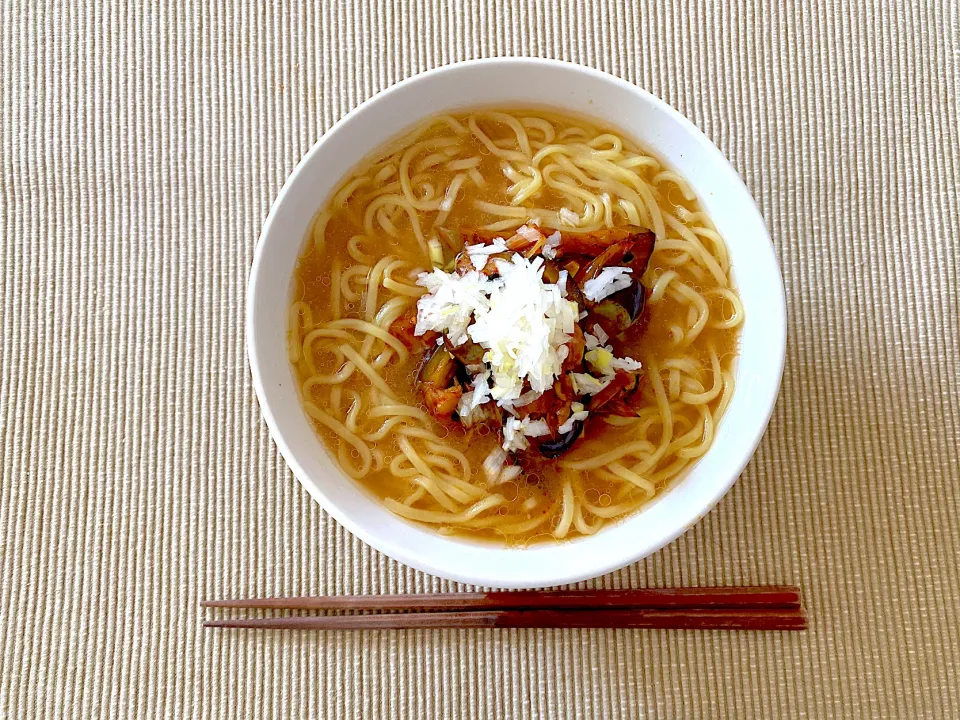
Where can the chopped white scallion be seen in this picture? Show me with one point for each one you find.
(586, 384)
(524, 328)
(508, 474)
(529, 233)
(511, 406)
(516, 432)
(451, 302)
(513, 438)
(568, 217)
(479, 254)
(553, 242)
(625, 363)
(535, 428)
(609, 281)
(497, 246)
(493, 463)
(600, 359)
(470, 401)
(578, 416)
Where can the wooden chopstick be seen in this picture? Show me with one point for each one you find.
(685, 619)
(713, 608)
(774, 596)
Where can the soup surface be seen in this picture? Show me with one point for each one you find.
(407, 211)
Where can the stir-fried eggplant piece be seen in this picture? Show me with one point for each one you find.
(630, 401)
(622, 408)
(612, 255)
(576, 294)
(470, 353)
(576, 347)
(555, 447)
(611, 316)
(563, 387)
(439, 367)
(624, 383)
(619, 311)
(450, 238)
(549, 407)
(438, 383)
(632, 299)
(633, 252)
(441, 403)
(638, 256)
(403, 330)
(592, 244)
(641, 320)
(543, 406)
(551, 272)
(553, 406)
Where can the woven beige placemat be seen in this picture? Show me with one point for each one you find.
(142, 144)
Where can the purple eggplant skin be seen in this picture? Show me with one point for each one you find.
(470, 353)
(613, 317)
(439, 367)
(556, 448)
(621, 310)
(632, 299)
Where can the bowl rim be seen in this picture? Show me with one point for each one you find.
(397, 550)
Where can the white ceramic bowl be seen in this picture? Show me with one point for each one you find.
(660, 130)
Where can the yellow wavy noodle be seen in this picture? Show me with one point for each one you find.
(498, 170)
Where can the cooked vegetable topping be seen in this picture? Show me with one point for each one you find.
(514, 346)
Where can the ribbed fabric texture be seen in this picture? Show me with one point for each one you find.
(142, 144)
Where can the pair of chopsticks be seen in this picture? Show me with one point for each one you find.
(716, 608)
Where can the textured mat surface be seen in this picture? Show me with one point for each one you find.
(142, 144)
